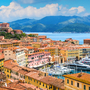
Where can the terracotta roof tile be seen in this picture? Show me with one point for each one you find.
(82, 77)
(29, 47)
(53, 81)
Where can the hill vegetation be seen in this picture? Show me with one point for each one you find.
(10, 36)
(53, 24)
(76, 27)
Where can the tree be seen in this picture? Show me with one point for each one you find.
(23, 34)
(31, 35)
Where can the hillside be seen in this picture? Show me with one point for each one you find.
(76, 27)
(52, 24)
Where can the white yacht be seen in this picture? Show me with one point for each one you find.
(85, 60)
(79, 66)
(57, 70)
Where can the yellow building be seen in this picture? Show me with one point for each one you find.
(83, 51)
(79, 81)
(48, 82)
(52, 50)
(36, 44)
(72, 41)
(16, 42)
(75, 42)
(52, 43)
(5, 44)
(7, 72)
(1, 62)
(32, 76)
(9, 44)
(70, 53)
(7, 69)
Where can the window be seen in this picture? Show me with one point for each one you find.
(89, 88)
(71, 82)
(84, 87)
(45, 74)
(10, 76)
(43, 84)
(32, 58)
(29, 78)
(7, 75)
(46, 86)
(7, 70)
(40, 83)
(67, 81)
(37, 81)
(34, 80)
(16, 73)
(77, 84)
(24, 77)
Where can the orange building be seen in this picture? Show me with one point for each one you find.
(78, 81)
(18, 31)
(86, 41)
(4, 24)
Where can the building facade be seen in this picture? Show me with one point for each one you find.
(38, 59)
(78, 81)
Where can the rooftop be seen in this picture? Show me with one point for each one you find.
(81, 77)
(53, 81)
(29, 47)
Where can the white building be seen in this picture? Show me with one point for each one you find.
(16, 54)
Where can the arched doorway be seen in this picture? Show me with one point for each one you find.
(76, 58)
(61, 60)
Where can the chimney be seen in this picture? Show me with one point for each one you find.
(81, 73)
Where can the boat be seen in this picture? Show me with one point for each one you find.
(85, 60)
(57, 70)
(79, 66)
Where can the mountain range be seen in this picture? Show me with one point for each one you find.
(53, 24)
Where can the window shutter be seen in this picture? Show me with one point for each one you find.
(75, 84)
(80, 85)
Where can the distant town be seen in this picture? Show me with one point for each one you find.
(34, 62)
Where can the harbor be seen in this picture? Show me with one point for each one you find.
(58, 70)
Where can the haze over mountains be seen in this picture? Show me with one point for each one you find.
(53, 24)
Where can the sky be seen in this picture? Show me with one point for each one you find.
(11, 10)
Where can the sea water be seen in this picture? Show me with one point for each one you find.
(76, 71)
(63, 36)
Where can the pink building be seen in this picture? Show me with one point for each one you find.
(38, 59)
(18, 31)
(4, 24)
(1, 37)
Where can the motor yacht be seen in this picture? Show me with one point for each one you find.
(79, 66)
(85, 60)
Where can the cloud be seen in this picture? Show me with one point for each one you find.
(15, 11)
(36, 1)
(77, 9)
(86, 14)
